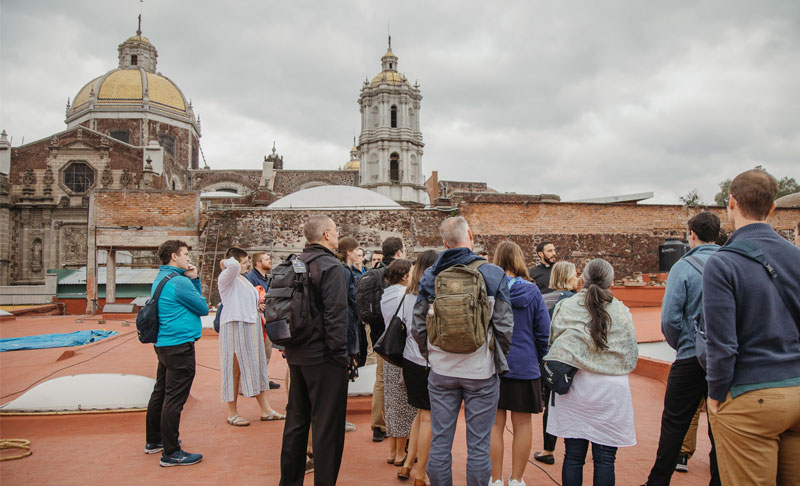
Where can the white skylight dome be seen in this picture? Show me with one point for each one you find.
(335, 197)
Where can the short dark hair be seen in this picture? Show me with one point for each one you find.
(236, 253)
(755, 191)
(169, 247)
(705, 225)
(397, 270)
(540, 246)
(378, 252)
(391, 245)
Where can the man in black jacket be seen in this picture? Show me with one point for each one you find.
(318, 367)
(541, 273)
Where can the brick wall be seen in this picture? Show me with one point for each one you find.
(627, 235)
(146, 208)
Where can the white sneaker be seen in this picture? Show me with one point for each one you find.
(514, 482)
(499, 482)
(349, 427)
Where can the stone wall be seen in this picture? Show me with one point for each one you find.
(204, 179)
(280, 232)
(289, 181)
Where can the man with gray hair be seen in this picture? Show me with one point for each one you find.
(463, 373)
(318, 366)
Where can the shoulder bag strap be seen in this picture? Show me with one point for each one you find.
(750, 250)
(161, 284)
(695, 262)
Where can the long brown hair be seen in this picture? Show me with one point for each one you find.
(425, 260)
(508, 256)
(598, 275)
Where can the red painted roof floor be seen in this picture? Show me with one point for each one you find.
(108, 448)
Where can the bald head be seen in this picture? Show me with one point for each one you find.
(316, 226)
(456, 233)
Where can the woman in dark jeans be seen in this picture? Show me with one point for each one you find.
(593, 332)
(564, 281)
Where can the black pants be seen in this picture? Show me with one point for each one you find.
(317, 398)
(362, 345)
(549, 440)
(174, 379)
(686, 387)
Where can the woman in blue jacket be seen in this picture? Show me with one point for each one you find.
(520, 388)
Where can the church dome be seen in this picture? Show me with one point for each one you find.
(127, 88)
(389, 74)
(135, 86)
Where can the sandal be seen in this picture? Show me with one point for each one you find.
(400, 462)
(238, 421)
(273, 415)
(404, 473)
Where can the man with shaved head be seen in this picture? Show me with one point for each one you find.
(471, 377)
(318, 366)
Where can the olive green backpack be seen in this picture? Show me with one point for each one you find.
(458, 320)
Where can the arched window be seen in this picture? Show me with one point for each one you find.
(134, 60)
(394, 116)
(173, 185)
(394, 167)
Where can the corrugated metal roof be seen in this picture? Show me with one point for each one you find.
(125, 275)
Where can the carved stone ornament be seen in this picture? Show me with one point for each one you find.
(36, 256)
(29, 178)
(126, 179)
(49, 179)
(107, 178)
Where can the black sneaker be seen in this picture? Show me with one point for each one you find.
(683, 463)
(180, 458)
(153, 447)
(273, 385)
(378, 435)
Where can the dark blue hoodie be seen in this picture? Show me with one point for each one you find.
(529, 343)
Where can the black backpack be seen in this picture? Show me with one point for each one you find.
(288, 302)
(370, 291)
(147, 323)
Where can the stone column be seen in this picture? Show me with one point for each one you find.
(111, 276)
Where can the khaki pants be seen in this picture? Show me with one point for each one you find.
(690, 440)
(758, 437)
(378, 420)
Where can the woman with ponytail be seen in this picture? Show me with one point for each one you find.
(593, 332)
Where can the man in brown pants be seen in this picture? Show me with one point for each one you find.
(751, 307)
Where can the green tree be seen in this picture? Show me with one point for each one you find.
(692, 198)
(786, 185)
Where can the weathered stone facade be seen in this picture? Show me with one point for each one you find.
(289, 181)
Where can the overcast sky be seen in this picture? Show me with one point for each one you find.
(577, 98)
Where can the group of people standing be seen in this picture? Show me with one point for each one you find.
(522, 324)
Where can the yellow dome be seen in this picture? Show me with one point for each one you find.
(390, 77)
(126, 88)
(138, 38)
(352, 165)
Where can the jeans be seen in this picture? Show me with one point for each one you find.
(480, 408)
(174, 377)
(317, 400)
(575, 456)
(686, 388)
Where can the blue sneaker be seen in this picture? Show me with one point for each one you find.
(180, 458)
(153, 447)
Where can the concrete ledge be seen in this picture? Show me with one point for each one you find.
(652, 368)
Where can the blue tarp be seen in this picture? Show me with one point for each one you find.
(41, 341)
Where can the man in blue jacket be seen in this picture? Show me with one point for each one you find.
(686, 384)
(179, 309)
(468, 377)
(754, 343)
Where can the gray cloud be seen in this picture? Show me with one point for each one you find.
(577, 98)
